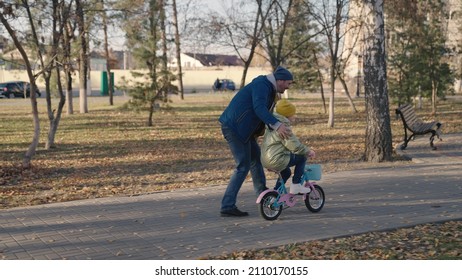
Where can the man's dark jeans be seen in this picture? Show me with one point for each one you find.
(247, 158)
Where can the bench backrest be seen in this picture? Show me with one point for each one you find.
(409, 116)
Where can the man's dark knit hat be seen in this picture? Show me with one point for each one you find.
(282, 73)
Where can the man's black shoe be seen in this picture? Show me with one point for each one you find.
(234, 212)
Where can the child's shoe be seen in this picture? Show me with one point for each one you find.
(298, 188)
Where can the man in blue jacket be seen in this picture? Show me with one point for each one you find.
(250, 108)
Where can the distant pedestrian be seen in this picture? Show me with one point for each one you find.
(217, 84)
(247, 113)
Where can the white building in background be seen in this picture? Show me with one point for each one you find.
(200, 60)
(189, 62)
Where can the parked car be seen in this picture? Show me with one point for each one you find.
(16, 89)
(223, 84)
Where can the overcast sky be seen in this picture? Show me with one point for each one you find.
(117, 37)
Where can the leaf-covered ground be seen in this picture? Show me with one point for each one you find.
(422, 242)
(110, 151)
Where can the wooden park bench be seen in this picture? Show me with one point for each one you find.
(416, 126)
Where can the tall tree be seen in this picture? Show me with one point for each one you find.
(332, 16)
(438, 73)
(106, 54)
(146, 37)
(378, 144)
(7, 11)
(302, 50)
(83, 56)
(455, 18)
(253, 39)
(58, 21)
(419, 56)
(45, 27)
(178, 49)
(276, 26)
(269, 29)
(67, 59)
(239, 27)
(165, 75)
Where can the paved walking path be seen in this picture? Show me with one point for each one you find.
(185, 224)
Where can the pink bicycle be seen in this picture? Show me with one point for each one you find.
(272, 202)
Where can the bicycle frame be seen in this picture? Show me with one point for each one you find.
(284, 197)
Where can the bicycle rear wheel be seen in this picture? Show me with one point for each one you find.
(267, 207)
(315, 200)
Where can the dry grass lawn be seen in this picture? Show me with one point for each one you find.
(110, 151)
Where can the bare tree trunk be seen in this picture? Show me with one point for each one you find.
(322, 92)
(330, 122)
(106, 51)
(165, 79)
(54, 123)
(69, 95)
(178, 50)
(347, 93)
(46, 69)
(151, 114)
(331, 17)
(68, 66)
(378, 146)
(321, 81)
(35, 138)
(152, 62)
(434, 94)
(244, 73)
(58, 27)
(50, 139)
(83, 61)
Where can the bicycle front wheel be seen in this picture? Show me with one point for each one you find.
(268, 207)
(314, 201)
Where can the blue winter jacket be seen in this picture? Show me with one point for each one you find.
(249, 107)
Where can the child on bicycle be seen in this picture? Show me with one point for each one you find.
(280, 154)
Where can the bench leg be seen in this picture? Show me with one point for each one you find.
(406, 140)
(403, 146)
